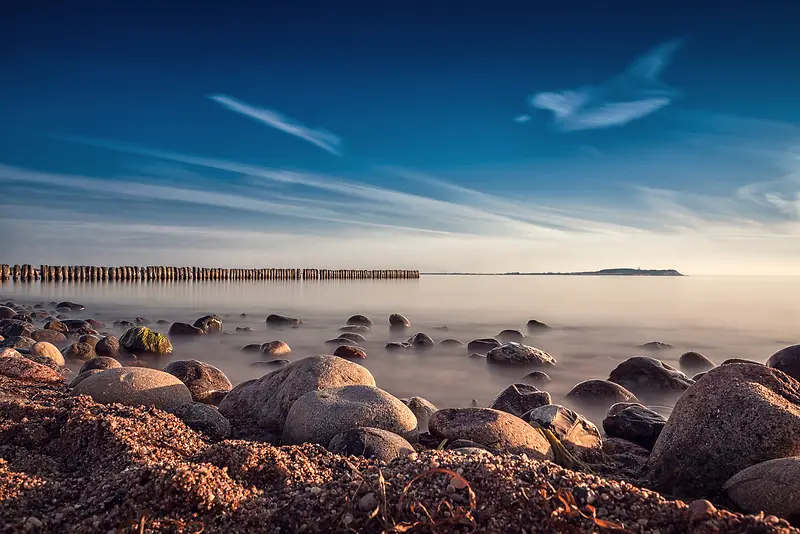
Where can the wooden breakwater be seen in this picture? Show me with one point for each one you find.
(90, 273)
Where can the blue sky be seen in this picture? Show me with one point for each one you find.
(517, 137)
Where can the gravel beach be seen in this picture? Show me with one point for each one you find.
(68, 464)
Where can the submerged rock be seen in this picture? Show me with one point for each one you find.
(107, 346)
(252, 347)
(737, 416)
(282, 320)
(185, 329)
(274, 349)
(141, 339)
(482, 345)
(491, 428)
(421, 341)
(48, 350)
(397, 346)
(399, 321)
(518, 399)
(451, 343)
(517, 354)
(49, 336)
(359, 329)
(655, 345)
(534, 326)
(694, 362)
(318, 416)
(361, 320)
(537, 378)
(79, 351)
(26, 370)
(510, 335)
(352, 336)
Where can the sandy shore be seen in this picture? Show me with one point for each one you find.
(68, 464)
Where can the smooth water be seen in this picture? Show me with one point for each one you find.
(598, 322)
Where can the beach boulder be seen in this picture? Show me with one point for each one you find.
(635, 423)
(518, 354)
(398, 321)
(204, 418)
(536, 326)
(736, 416)
(15, 327)
(50, 336)
(275, 349)
(421, 341)
(510, 335)
(83, 376)
(422, 410)
(361, 320)
(578, 435)
(26, 370)
(771, 487)
(141, 339)
(78, 351)
(318, 416)
(209, 324)
(693, 362)
(100, 362)
(518, 399)
(203, 380)
(48, 350)
(18, 342)
(787, 360)
(649, 377)
(350, 352)
(482, 345)
(282, 320)
(107, 346)
(599, 394)
(258, 408)
(537, 378)
(135, 386)
(375, 443)
(490, 428)
(184, 329)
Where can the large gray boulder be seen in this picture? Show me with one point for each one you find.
(772, 487)
(578, 435)
(634, 422)
(318, 416)
(258, 408)
(491, 428)
(649, 377)
(203, 380)
(375, 443)
(736, 416)
(518, 399)
(787, 360)
(135, 386)
(518, 354)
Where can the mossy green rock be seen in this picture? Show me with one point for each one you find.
(141, 339)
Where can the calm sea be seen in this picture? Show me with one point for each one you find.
(598, 322)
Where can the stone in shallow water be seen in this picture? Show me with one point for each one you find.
(350, 352)
(635, 423)
(517, 354)
(101, 362)
(282, 320)
(209, 323)
(359, 329)
(646, 376)
(352, 336)
(341, 341)
(482, 345)
(451, 343)
(510, 335)
(79, 351)
(655, 345)
(141, 339)
(362, 320)
(537, 378)
(202, 379)
(50, 336)
(534, 325)
(399, 321)
(18, 342)
(107, 346)
(185, 329)
(599, 393)
(694, 362)
(518, 399)
(397, 346)
(252, 347)
(421, 341)
(274, 349)
(318, 416)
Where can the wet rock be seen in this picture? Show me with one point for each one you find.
(771, 487)
(491, 428)
(349, 352)
(209, 324)
(421, 341)
(534, 326)
(633, 422)
(107, 346)
(83, 376)
(258, 408)
(787, 360)
(101, 363)
(124, 324)
(318, 416)
(184, 329)
(737, 416)
(358, 329)
(50, 336)
(75, 325)
(422, 410)
(510, 335)
(78, 351)
(6, 312)
(646, 376)
(243, 329)
(15, 327)
(18, 342)
(376, 443)
(537, 378)
(352, 336)
(57, 326)
(252, 347)
(600, 393)
(89, 340)
(392, 346)
(26, 370)
(518, 399)
(274, 349)
(442, 328)
(578, 435)
(48, 350)
(135, 386)
(28, 318)
(694, 362)
(204, 418)
(141, 339)
(398, 321)
(451, 343)
(517, 354)
(482, 345)
(282, 320)
(655, 346)
(361, 320)
(202, 379)
(71, 305)
(95, 323)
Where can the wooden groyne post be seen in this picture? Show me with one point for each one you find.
(154, 273)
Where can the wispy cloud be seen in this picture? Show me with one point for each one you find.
(634, 94)
(321, 138)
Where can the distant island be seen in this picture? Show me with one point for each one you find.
(601, 272)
